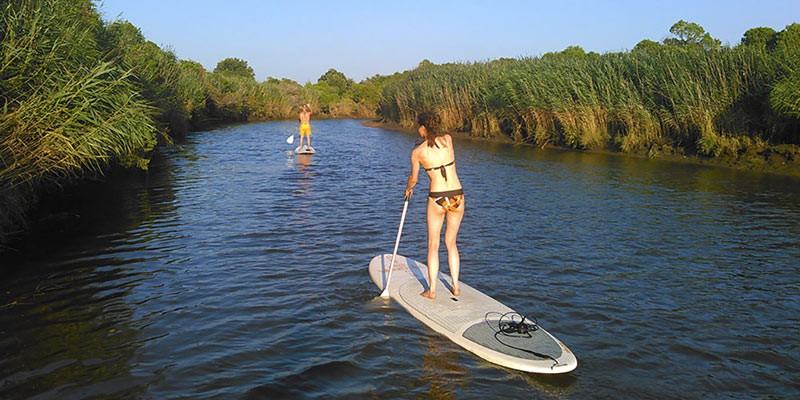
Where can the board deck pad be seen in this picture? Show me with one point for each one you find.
(471, 320)
(304, 150)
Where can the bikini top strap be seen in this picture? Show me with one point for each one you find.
(442, 169)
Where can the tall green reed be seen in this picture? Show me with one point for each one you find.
(65, 112)
(634, 101)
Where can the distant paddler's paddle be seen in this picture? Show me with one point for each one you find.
(385, 293)
(290, 139)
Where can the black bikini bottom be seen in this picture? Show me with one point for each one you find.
(449, 200)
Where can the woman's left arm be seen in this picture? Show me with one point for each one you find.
(414, 176)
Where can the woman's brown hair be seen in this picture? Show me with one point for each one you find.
(432, 122)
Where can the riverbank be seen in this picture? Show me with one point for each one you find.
(779, 160)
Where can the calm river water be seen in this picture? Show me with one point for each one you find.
(237, 269)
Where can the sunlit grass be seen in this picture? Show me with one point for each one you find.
(633, 102)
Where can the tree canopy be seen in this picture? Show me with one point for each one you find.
(236, 67)
(761, 36)
(691, 34)
(337, 80)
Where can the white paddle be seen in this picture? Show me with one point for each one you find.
(290, 139)
(385, 293)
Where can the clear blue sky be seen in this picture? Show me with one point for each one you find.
(301, 40)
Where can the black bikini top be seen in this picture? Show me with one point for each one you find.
(442, 169)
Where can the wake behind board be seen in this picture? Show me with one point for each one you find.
(472, 320)
(304, 150)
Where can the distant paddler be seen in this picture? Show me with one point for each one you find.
(305, 125)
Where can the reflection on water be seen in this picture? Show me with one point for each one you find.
(442, 374)
(236, 268)
(305, 176)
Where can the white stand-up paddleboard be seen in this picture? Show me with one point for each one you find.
(473, 320)
(305, 150)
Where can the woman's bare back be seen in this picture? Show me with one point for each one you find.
(434, 160)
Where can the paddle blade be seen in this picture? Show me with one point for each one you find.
(290, 139)
(385, 293)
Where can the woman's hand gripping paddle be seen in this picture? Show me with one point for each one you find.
(385, 293)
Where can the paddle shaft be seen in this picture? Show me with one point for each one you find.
(385, 292)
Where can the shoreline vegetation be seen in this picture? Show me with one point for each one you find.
(751, 160)
(81, 97)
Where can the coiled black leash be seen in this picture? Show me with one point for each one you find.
(509, 326)
(513, 327)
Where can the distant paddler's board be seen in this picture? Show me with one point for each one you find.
(305, 150)
(473, 320)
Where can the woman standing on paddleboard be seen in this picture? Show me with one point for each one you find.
(445, 198)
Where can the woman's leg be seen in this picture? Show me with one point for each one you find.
(435, 221)
(450, 233)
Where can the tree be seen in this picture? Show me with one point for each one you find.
(569, 53)
(574, 52)
(235, 67)
(762, 37)
(337, 80)
(646, 46)
(691, 34)
(425, 64)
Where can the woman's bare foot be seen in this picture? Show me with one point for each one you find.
(456, 291)
(428, 294)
